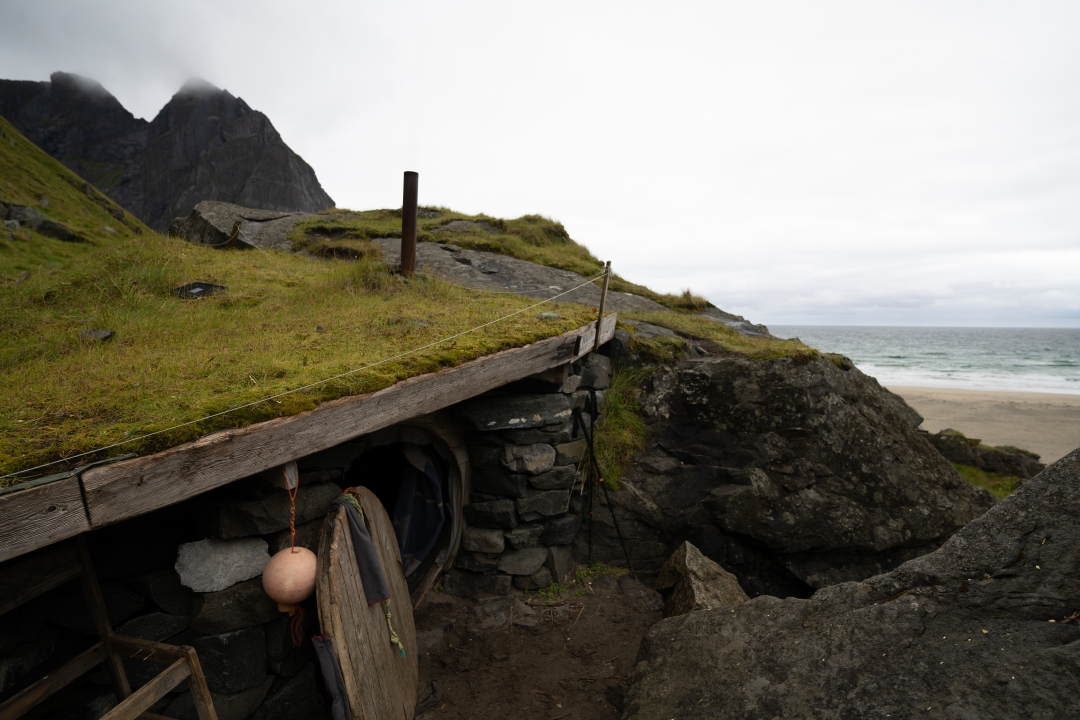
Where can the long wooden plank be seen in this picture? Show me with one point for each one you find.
(28, 577)
(54, 681)
(134, 487)
(139, 701)
(380, 683)
(40, 516)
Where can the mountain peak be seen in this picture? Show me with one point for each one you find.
(198, 87)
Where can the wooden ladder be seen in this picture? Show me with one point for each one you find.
(34, 576)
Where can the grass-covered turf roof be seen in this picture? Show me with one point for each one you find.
(282, 322)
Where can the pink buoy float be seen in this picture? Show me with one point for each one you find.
(289, 577)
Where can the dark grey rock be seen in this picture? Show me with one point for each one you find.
(70, 610)
(482, 540)
(96, 335)
(551, 434)
(484, 457)
(27, 216)
(543, 504)
(596, 372)
(197, 290)
(242, 605)
(307, 536)
(515, 412)
(59, 231)
(491, 514)
(233, 661)
(210, 565)
(690, 581)
(525, 536)
(962, 450)
(463, 584)
(531, 459)
(640, 597)
(523, 562)
(282, 657)
(555, 479)
(156, 626)
(297, 698)
(498, 481)
(972, 630)
(570, 453)
(12, 225)
(477, 562)
(560, 560)
(267, 514)
(228, 706)
(164, 589)
(795, 475)
(560, 530)
(537, 581)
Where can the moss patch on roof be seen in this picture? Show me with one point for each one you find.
(282, 322)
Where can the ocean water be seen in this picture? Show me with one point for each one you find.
(1007, 359)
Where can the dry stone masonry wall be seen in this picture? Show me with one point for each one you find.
(525, 505)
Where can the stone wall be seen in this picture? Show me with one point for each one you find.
(185, 575)
(525, 501)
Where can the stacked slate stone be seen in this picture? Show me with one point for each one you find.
(525, 504)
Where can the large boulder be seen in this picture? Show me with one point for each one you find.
(792, 473)
(690, 581)
(1010, 461)
(981, 628)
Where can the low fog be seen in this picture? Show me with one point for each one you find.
(797, 163)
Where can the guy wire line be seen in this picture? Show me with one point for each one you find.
(309, 385)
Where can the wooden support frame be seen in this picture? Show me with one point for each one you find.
(54, 567)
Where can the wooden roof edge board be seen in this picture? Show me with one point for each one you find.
(40, 516)
(134, 487)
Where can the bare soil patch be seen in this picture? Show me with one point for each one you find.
(528, 657)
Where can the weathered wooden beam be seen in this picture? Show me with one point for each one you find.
(134, 487)
(141, 700)
(26, 578)
(40, 516)
(54, 681)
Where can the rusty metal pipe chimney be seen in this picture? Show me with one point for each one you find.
(408, 223)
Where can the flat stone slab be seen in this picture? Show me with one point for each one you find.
(516, 412)
(211, 565)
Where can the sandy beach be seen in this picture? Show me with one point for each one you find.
(1044, 423)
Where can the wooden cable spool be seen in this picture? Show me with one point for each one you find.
(380, 684)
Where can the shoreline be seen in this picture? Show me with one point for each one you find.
(1044, 423)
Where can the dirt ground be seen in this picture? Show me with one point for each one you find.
(529, 657)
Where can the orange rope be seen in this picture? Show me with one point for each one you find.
(292, 506)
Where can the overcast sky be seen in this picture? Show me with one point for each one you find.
(879, 163)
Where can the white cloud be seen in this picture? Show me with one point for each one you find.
(823, 162)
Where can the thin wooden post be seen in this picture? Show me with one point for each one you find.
(603, 300)
(408, 223)
(100, 614)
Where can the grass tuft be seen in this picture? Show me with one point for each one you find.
(620, 434)
(999, 485)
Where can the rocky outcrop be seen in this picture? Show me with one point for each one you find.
(690, 581)
(792, 473)
(205, 144)
(982, 628)
(962, 450)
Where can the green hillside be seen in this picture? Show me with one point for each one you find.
(283, 320)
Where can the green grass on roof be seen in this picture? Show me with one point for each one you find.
(173, 360)
(533, 238)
